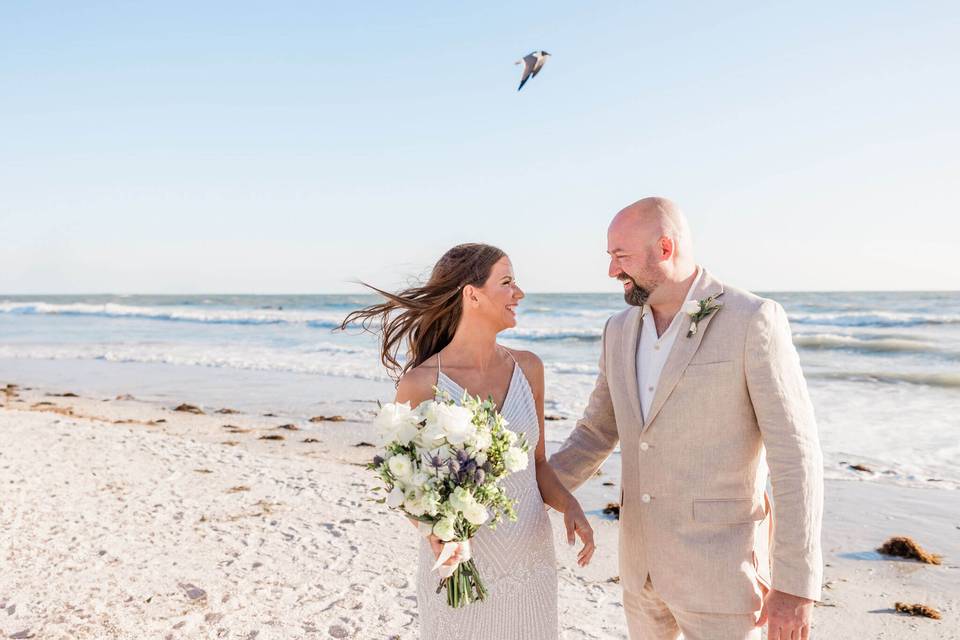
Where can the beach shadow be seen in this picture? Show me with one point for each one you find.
(887, 610)
(600, 514)
(864, 555)
(873, 556)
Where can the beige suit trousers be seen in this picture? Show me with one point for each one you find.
(650, 618)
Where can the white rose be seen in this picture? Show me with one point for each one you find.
(482, 440)
(456, 422)
(433, 434)
(515, 459)
(396, 422)
(475, 513)
(443, 529)
(511, 436)
(461, 499)
(401, 467)
(691, 307)
(395, 498)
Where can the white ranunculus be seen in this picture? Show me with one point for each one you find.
(444, 530)
(456, 422)
(515, 459)
(691, 307)
(461, 499)
(396, 422)
(481, 458)
(511, 436)
(476, 513)
(401, 466)
(395, 498)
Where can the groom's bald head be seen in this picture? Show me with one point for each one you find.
(649, 243)
(650, 219)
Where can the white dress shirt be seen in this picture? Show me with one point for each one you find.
(653, 350)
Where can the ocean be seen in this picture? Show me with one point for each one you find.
(883, 368)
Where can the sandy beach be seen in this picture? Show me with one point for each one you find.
(124, 518)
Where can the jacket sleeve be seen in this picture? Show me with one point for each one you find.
(784, 413)
(595, 435)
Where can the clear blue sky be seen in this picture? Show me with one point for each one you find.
(292, 147)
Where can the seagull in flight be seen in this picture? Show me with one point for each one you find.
(532, 63)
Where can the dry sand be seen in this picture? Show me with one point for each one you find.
(126, 519)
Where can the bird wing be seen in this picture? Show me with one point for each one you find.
(541, 60)
(529, 62)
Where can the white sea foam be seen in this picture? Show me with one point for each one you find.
(360, 365)
(555, 333)
(320, 319)
(873, 318)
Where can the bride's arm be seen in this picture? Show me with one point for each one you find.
(552, 491)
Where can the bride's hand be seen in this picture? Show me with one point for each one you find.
(575, 520)
(437, 545)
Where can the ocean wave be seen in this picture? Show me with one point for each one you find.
(941, 380)
(829, 341)
(570, 367)
(539, 334)
(249, 358)
(602, 314)
(873, 319)
(315, 319)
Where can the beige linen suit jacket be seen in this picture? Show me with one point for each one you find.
(731, 402)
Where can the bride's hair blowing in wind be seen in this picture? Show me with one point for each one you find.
(426, 316)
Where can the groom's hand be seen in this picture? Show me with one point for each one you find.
(787, 615)
(575, 521)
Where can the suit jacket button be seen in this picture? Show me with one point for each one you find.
(644, 446)
(645, 497)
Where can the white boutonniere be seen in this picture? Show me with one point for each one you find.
(698, 310)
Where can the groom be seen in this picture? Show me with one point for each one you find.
(701, 386)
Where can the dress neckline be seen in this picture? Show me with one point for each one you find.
(510, 385)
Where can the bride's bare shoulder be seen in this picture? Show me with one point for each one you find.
(531, 364)
(416, 385)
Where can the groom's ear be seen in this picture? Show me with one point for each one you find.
(667, 247)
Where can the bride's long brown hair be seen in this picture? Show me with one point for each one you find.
(425, 317)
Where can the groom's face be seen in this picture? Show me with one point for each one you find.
(635, 266)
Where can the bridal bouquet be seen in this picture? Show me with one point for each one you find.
(442, 465)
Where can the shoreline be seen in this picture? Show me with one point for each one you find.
(129, 519)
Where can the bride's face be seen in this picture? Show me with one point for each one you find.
(499, 296)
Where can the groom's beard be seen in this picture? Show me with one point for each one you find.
(636, 296)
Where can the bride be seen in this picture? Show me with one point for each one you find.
(449, 326)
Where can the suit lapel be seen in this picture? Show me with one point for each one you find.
(683, 348)
(630, 340)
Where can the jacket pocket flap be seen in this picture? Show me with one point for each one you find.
(724, 367)
(727, 510)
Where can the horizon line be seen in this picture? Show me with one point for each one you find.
(229, 293)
